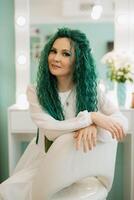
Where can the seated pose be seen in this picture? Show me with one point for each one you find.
(78, 125)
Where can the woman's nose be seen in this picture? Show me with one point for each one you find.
(57, 57)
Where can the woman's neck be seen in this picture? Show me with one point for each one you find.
(64, 84)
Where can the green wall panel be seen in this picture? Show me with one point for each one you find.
(7, 77)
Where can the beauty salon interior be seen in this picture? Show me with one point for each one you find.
(26, 25)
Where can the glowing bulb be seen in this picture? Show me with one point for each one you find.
(96, 11)
(122, 19)
(21, 59)
(21, 21)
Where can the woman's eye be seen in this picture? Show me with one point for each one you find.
(66, 54)
(52, 51)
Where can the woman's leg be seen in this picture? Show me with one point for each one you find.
(63, 165)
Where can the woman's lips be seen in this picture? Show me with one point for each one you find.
(55, 66)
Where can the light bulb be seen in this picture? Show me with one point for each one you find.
(21, 21)
(21, 59)
(96, 11)
(122, 19)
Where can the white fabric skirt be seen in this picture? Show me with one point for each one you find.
(19, 185)
(38, 176)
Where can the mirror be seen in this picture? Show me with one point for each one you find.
(47, 16)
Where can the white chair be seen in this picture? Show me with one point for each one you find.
(87, 189)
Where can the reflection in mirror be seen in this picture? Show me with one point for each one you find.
(46, 17)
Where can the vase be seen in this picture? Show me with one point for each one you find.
(121, 94)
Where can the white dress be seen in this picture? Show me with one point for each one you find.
(39, 175)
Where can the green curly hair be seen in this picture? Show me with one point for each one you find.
(84, 76)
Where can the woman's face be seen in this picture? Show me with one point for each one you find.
(61, 58)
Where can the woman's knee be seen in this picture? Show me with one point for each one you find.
(64, 141)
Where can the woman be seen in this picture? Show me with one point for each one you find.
(73, 117)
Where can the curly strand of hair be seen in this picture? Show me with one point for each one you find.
(46, 88)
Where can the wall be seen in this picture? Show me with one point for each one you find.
(7, 77)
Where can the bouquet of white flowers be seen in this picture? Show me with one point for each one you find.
(120, 65)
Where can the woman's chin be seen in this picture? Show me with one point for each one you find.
(56, 72)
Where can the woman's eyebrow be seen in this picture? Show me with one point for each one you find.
(68, 50)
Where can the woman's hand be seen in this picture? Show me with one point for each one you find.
(87, 137)
(109, 124)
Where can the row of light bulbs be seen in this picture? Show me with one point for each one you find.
(21, 22)
(21, 59)
(121, 19)
(96, 13)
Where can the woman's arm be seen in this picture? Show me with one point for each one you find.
(52, 127)
(107, 107)
(110, 118)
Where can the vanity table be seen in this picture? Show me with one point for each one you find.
(21, 128)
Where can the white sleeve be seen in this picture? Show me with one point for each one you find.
(52, 127)
(107, 107)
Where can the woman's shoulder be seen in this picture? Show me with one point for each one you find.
(105, 102)
(31, 87)
(31, 91)
(101, 96)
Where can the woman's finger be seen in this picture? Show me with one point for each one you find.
(90, 140)
(112, 133)
(121, 134)
(85, 142)
(76, 134)
(94, 137)
(116, 132)
(78, 141)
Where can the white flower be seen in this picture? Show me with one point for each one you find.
(120, 73)
(120, 65)
(118, 59)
